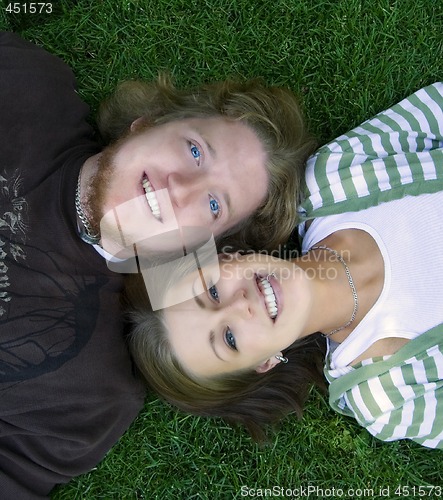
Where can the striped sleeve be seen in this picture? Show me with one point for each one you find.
(396, 153)
(404, 400)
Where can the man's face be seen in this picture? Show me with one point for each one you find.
(207, 172)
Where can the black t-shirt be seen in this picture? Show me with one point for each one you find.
(67, 387)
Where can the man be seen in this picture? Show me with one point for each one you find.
(68, 390)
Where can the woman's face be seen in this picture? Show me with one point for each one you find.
(244, 319)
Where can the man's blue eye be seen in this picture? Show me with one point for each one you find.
(195, 151)
(213, 292)
(230, 339)
(214, 206)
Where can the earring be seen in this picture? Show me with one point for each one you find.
(283, 359)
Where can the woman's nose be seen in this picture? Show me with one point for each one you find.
(241, 304)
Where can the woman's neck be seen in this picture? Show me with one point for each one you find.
(355, 278)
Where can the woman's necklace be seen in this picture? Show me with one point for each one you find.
(351, 284)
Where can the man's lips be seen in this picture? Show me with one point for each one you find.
(151, 197)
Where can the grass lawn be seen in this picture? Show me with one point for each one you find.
(347, 59)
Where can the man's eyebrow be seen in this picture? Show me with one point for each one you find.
(212, 343)
(228, 203)
(211, 150)
(208, 145)
(213, 154)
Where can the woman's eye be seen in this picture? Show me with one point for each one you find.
(230, 339)
(195, 153)
(213, 292)
(214, 206)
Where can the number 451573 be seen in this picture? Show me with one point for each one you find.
(29, 8)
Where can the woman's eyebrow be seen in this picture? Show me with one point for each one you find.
(212, 343)
(197, 299)
(199, 302)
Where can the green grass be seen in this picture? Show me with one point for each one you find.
(347, 59)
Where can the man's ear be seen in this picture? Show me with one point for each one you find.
(138, 123)
(268, 364)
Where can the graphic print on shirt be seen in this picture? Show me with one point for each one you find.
(61, 315)
(13, 221)
(48, 310)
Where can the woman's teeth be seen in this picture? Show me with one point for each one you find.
(152, 199)
(269, 295)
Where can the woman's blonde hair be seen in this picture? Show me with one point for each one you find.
(253, 400)
(273, 113)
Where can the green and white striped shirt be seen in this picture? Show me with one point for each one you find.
(398, 396)
(401, 398)
(399, 152)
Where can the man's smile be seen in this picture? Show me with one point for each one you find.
(151, 197)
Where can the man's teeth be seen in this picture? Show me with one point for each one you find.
(152, 199)
(271, 301)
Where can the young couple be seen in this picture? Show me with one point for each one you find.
(230, 158)
(73, 212)
(244, 338)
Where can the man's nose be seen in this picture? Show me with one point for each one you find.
(183, 189)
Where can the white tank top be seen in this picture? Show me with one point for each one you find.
(409, 234)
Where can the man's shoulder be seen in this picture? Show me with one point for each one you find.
(28, 69)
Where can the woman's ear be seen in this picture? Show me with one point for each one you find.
(269, 364)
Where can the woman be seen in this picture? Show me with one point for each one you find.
(370, 281)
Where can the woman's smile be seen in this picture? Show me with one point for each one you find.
(267, 288)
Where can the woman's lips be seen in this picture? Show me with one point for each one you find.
(267, 290)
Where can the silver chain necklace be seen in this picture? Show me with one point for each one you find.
(87, 234)
(351, 284)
